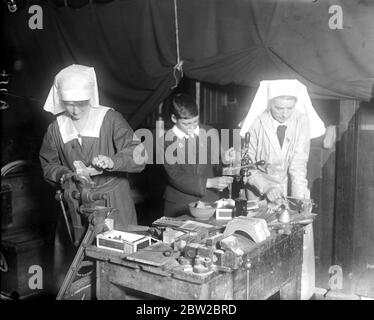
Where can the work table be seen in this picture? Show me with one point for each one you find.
(271, 266)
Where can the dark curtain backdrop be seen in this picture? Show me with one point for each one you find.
(132, 46)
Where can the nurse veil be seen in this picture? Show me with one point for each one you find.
(76, 83)
(270, 89)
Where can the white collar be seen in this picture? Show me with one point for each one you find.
(92, 129)
(180, 134)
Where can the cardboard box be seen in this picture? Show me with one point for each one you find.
(224, 213)
(123, 242)
(225, 209)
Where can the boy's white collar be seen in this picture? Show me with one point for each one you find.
(181, 135)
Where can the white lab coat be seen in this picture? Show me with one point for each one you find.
(289, 161)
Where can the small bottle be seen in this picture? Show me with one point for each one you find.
(241, 204)
(168, 236)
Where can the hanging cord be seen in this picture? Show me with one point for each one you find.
(178, 66)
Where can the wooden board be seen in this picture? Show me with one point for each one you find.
(153, 255)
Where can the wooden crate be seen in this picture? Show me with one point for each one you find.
(6, 205)
(26, 201)
(20, 250)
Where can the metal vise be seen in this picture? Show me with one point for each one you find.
(82, 198)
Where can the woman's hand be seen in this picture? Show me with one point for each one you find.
(230, 155)
(66, 176)
(274, 194)
(219, 183)
(103, 162)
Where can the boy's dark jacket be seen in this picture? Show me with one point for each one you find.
(187, 182)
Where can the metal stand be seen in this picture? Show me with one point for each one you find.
(76, 264)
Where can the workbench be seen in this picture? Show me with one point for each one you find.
(271, 266)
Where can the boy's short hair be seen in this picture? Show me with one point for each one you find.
(184, 106)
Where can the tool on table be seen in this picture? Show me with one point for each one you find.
(301, 219)
(157, 255)
(284, 216)
(241, 204)
(288, 213)
(255, 229)
(202, 264)
(300, 205)
(247, 166)
(231, 252)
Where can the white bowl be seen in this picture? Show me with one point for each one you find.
(202, 213)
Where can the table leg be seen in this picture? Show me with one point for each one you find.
(105, 289)
(98, 282)
(291, 290)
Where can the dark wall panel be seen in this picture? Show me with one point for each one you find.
(353, 238)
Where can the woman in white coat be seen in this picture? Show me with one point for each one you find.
(281, 121)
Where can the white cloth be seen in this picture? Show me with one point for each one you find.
(330, 137)
(92, 129)
(73, 83)
(275, 88)
(181, 134)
